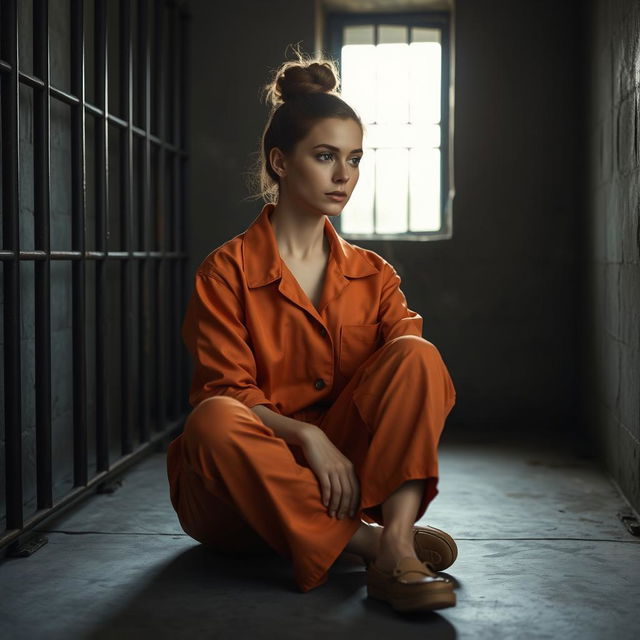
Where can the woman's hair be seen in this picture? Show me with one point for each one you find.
(300, 93)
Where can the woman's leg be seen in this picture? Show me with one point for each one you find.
(232, 478)
(397, 537)
(199, 495)
(386, 545)
(365, 542)
(395, 406)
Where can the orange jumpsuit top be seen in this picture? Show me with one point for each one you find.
(254, 334)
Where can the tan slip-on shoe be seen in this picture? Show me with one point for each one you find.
(434, 546)
(404, 590)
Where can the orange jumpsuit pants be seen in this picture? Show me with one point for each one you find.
(235, 485)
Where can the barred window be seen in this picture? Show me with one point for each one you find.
(395, 73)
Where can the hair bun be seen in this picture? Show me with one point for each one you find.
(297, 79)
(303, 76)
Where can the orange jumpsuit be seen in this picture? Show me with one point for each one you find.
(357, 367)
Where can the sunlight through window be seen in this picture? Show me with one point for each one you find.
(394, 84)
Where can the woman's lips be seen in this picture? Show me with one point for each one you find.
(336, 197)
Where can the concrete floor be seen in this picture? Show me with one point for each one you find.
(542, 554)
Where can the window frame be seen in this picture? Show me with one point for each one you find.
(334, 25)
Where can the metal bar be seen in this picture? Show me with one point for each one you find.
(445, 171)
(78, 241)
(161, 245)
(144, 37)
(157, 67)
(73, 100)
(102, 212)
(183, 143)
(171, 83)
(156, 203)
(175, 310)
(42, 268)
(126, 187)
(77, 494)
(11, 268)
(409, 154)
(36, 254)
(376, 39)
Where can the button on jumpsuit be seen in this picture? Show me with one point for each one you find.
(357, 367)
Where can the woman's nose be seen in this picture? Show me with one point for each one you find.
(342, 174)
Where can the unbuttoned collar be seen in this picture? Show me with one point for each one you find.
(262, 261)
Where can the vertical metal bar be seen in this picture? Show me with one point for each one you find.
(445, 218)
(144, 35)
(408, 222)
(161, 368)
(157, 65)
(126, 188)
(184, 172)
(376, 36)
(78, 240)
(42, 212)
(102, 212)
(11, 269)
(156, 204)
(170, 122)
(174, 232)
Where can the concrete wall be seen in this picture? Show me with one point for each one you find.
(612, 252)
(233, 47)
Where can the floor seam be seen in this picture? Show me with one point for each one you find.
(145, 533)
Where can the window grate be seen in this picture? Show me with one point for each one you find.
(407, 135)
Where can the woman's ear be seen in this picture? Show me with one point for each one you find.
(276, 158)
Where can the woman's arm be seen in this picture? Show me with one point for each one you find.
(396, 318)
(289, 429)
(214, 333)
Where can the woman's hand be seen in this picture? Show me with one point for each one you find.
(335, 473)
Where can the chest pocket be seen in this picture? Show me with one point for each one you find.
(357, 343)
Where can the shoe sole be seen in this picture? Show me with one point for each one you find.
(420, 600)
(445, 552)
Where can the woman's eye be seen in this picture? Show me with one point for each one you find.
(330, 155)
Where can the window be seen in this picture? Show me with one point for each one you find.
(395, 73)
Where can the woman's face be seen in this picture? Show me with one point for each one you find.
(325, 160)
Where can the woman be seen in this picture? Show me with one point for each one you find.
(317, 404)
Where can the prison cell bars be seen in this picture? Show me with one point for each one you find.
(169, 287)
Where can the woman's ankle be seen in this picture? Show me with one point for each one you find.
(365, 542)
(393, 548)
(397, 535)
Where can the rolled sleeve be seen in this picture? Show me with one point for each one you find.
(394, 315)
(215, 335)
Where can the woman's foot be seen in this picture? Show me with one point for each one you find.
(393, 546)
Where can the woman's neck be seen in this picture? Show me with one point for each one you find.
(299, 236)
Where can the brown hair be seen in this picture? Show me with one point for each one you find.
(300, 92)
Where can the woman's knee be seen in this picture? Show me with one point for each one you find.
(413, 345)
(213, 419)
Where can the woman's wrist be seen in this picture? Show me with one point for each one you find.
(308, 432)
